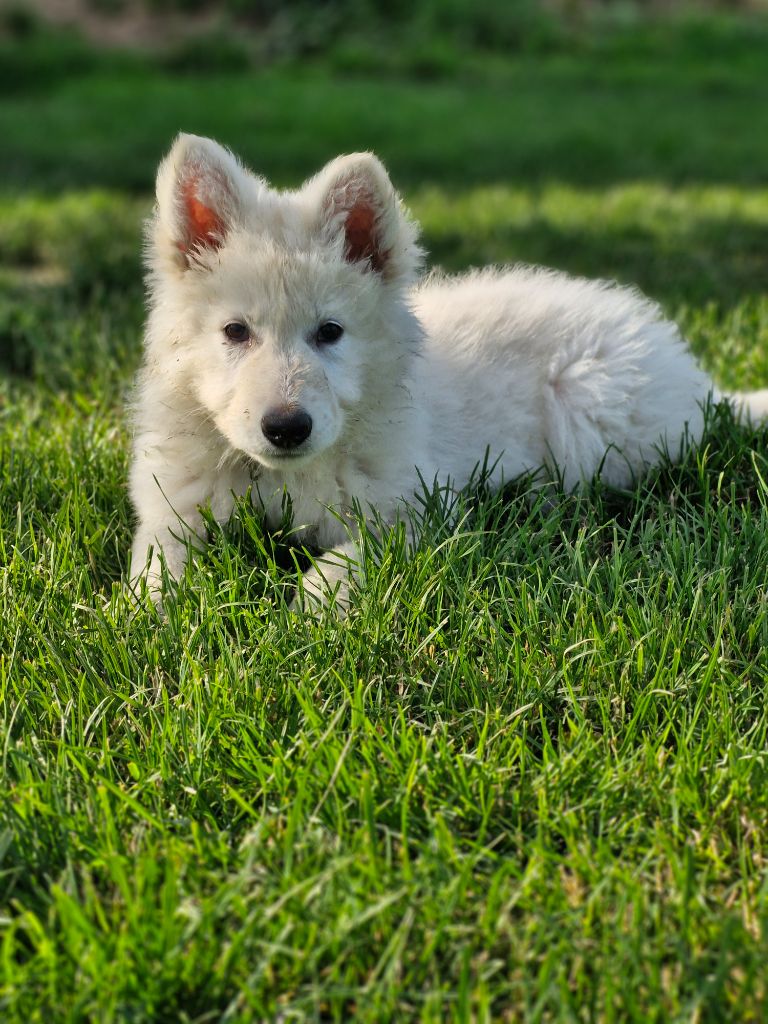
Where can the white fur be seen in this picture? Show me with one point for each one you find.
(535, 368)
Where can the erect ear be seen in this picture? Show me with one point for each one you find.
(201, 190)
(359, 211)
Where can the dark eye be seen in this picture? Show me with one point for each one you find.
(237, 332)
(328, 332)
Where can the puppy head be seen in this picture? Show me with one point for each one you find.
(284, 313)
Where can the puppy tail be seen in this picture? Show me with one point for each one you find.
(751, 405)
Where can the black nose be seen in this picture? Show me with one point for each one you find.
(286, 428)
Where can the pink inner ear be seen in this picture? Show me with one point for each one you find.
(204, 226)
(360, 232)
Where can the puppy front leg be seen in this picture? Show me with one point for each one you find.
(328, 581)
(160, 542)
(169, 483)
(166, 528)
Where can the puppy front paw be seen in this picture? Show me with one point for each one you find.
(326, 585)
(148, 560)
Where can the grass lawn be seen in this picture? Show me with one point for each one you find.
(528, 778)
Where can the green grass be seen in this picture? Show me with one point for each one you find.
(568, 119)
(528, 778)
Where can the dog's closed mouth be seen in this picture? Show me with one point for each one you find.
(268, 460)
(281, 455)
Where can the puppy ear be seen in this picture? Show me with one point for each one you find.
(201, 190)
(360, 213)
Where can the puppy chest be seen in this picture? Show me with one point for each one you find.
(318, 514)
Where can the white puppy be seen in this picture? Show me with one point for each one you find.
(289, 345)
